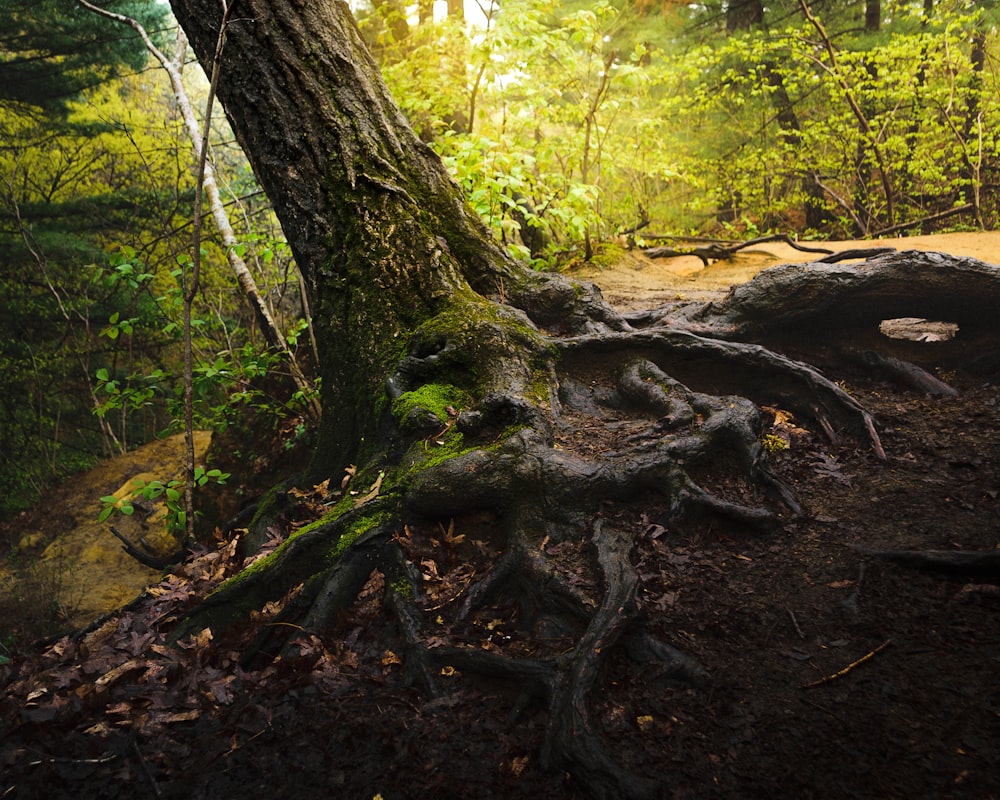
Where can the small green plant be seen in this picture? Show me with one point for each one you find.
(171, 492)
(773, 443)
(403, 587)
(130, 393)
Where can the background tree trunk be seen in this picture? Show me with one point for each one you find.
(742, 15)
(873, 15)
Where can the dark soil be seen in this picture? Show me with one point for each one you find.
(832, 674)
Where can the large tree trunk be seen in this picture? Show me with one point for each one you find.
(461, 384)
(374, 221)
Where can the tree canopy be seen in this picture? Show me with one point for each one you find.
(710, 115)
(50, 51)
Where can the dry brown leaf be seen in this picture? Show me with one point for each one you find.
(431, 570)
(372, 492)
(518, 764)
(109, 677)
(179, 716)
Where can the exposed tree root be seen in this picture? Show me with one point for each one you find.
(571, 738)
(966, 563)
(850, 255)
(147, 557)
(815, 308)
(724, 251)
(905, 374)
(563, 682)
(300, 560)
(740, 368)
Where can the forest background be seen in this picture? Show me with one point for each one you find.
(576, 129)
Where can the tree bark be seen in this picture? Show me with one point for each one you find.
(873, 16)
(741, 15)
(376, 225)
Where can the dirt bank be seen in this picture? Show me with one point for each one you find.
(69, 561)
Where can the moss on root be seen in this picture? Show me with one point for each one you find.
(436, 398)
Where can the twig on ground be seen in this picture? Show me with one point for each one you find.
(839, 674)
(795, 622)
(145, 769)
(148, 560)
(724, 252)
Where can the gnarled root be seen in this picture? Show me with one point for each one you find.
(565, 433)
(983, 565)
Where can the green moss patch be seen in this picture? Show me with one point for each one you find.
(433, 397)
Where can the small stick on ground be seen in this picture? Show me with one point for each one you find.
(795, 622)
(830, 678)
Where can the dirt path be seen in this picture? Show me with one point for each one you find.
(639, 282)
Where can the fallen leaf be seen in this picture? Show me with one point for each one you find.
(111, 676)
(431, 570)
(372, 492)
(180, 716)
(518, 764)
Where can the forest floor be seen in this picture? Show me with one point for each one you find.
(832, 674)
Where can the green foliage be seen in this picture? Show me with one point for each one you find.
(75, 188)
(573, 120)
(171, 493)
(914, 86)
(95, 203)
(774, 443)
(51, 50)
(528, 124)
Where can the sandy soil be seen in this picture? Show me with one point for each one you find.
(81, 568)
(641, 282)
